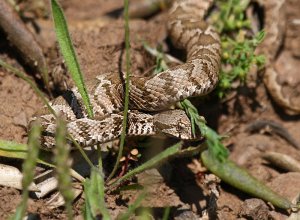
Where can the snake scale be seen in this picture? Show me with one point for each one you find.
(149, 96)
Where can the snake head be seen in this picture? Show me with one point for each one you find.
(174, 123)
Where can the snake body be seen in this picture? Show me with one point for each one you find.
(149, 96)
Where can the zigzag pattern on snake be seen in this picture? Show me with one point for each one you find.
(148, 95)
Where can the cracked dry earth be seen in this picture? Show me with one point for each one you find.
(181, 186)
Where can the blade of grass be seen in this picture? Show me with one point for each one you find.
(239, 178)
(28, 167)
(126, 101)
(16, 150)
(94, 195)
(166, 213)
(100, 165)
(68, 52)
(62, 166)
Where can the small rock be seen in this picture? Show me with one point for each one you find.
(254, 209)
(277, 216)
(187, 215)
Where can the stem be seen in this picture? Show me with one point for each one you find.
(126, 101)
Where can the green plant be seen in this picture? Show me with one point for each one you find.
(238, 56)
(238, 48)
(213, 140)
(230, 15)
(68, 52)
(126, 99)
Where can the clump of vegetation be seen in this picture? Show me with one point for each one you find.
(238, 55)
(238, 47)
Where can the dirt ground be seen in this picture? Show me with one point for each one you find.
(99, 42)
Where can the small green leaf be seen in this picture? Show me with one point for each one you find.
(68, 52)
(16, 150)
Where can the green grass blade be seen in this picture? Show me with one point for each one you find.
(28, 167)
(62, 166)
(69, 54)
(94, 195)
(166, 213)
(126, 101)
(12, 149)
(155, 161)
(16, 150)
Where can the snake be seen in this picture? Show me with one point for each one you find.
(150, 96)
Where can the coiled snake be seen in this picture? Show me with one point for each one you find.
(148, 95)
